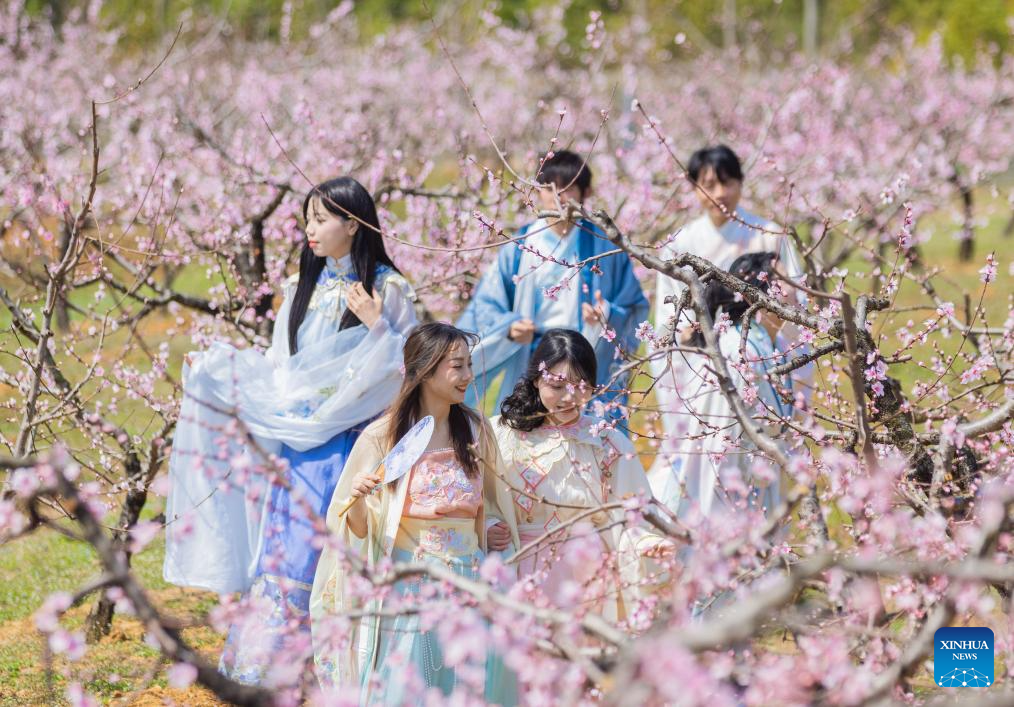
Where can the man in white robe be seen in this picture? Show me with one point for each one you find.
(721, 235)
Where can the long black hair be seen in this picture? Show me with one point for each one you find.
(425, 348)
(523, 408)
(757, 269)
(347, 199)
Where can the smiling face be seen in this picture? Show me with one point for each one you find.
(563, 393)
(450, 379)
(328, 235)
(714, 194)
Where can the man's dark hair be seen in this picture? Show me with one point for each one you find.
(565, 168)
(719, 158)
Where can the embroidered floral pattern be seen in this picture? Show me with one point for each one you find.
(307, 407)
(439, 486)
(283, 624)
(444, 541)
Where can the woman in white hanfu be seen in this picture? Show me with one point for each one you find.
(333, 365)
(721, 235)
(722, 470)
(561, 464)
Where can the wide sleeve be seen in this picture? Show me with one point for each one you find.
(336, 638)
(495, 494)
(330, 384)
(751, 377)
(366, 455)
(628, 477)
(279, 349)
(490, 312)
(398, 312)
(792, 263)
(640, 547)
(626, 300)
(627, 307)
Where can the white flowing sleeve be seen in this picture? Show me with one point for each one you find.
(331, 384)
(398, 314)
(628, 477)
(335, 382)
(760, 357)
(279, 349)
(638, 545)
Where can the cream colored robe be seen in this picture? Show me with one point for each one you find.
(331, 595)
(583, 470)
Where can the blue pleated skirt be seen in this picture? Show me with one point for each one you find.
(405, 644)
(277, 621)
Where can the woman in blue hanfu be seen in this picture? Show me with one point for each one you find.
(721, 471)
(558, 274)
(333, 365)
(433, 514)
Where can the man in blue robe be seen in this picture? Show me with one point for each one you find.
(536, 284)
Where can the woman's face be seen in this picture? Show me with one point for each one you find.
(563, 393)
(449, 382)
(328, 235)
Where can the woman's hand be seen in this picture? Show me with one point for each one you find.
(522, 331)
(362, 485)
(366, 307)
(498, 537)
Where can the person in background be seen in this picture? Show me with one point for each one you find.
(553, 275)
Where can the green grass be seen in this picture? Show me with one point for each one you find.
(46, 561)
(33, 567)
(955, 280)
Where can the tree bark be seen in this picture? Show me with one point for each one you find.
(100, 618)
(253, 267)
(966, 249)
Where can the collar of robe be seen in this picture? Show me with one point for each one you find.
(339, 269)
(541, 230)
(549, 443)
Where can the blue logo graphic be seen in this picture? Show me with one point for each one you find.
(963, 657)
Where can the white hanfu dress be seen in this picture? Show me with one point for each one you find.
(229, 527)
(679, 391)
(721, 470)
